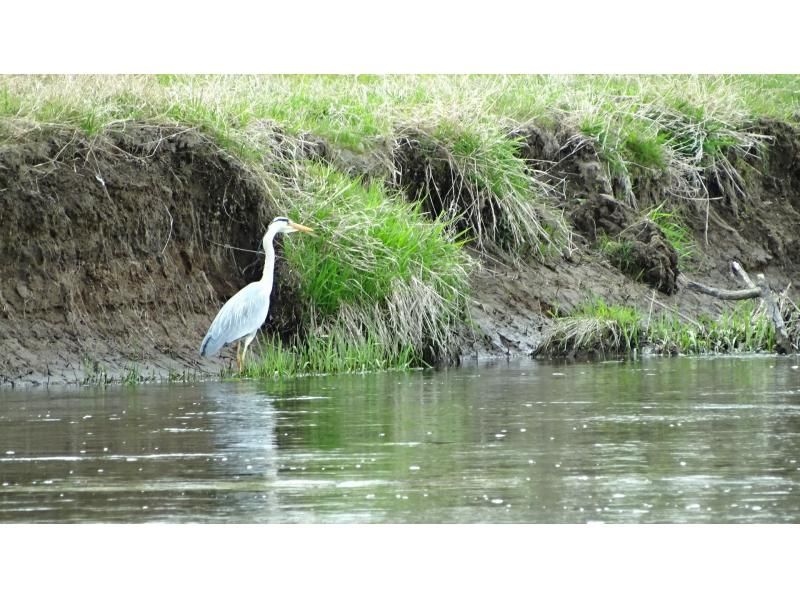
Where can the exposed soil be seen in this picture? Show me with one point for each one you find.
(643, 251)
(115, 253)
(756, 222)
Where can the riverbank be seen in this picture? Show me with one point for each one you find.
(458, 216)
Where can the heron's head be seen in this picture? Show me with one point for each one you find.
(283, 225)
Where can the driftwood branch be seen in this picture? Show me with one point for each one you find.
(759, 290)
(722, 293)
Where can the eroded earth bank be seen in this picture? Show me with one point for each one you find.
(117, 250)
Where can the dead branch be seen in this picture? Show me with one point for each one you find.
(783, 343)
(721, 293)
(760, 290)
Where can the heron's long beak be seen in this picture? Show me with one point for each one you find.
(301, 228)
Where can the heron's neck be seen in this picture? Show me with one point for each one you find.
(269, 262)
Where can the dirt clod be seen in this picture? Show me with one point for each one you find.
(642, 251)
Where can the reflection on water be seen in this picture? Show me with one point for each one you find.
(656, 440)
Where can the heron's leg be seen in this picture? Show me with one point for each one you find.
(238, 356)
(247, 342)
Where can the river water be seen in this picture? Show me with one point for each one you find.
(649, 440)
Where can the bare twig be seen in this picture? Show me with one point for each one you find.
(169, 236)
(226, 246)
(676, 312)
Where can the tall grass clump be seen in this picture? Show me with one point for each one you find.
(742, 328)
(619, 251)
(594, 326)
(332, 353)
(379, 275)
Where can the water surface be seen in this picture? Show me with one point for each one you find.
(653, 440)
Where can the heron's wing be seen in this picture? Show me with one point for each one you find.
(242, 315)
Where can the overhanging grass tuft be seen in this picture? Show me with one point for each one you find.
(474, 176)
(378, 270)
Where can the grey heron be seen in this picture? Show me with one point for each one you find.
(245, 312)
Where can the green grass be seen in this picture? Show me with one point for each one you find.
(646, 117)
(370, 240)
(676, 232)
(96, 374)
(329, 354)
(682, 125)
(10, 104)
(378, 274)
(595, 326)
(372, 105)
(646, 150)
(619, 252)
(132, 376)
(505, 204)
(742, 328)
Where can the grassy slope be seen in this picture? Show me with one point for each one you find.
(377, 255)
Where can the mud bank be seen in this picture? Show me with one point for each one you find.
(116, 252)
(751, 216)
